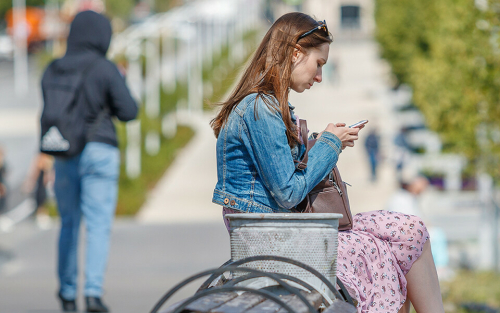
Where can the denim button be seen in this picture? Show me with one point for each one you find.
(226, 201)
(233, 202)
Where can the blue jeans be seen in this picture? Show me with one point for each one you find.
(373, 165)
(87, 185)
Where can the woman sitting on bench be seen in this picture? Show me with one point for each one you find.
(385, 260)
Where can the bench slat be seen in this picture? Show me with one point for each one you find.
(239, 304)
(270, 306)
(314, 298)
(210, 302)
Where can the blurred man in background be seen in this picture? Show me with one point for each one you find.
(3, 186)
(86, 183)
(372, 144)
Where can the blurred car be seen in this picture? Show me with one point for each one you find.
(31, 28)
(6, 47)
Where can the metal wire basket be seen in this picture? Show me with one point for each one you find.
(310, 238)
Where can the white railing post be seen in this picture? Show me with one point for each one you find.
(134, 70)
(152, 77)
(168, 61)
(133, 150)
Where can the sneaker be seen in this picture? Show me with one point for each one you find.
(66, 304)
(94, 304)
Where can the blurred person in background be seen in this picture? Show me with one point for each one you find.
(402, 152)
(3, 184)
(406, 200)
(39, 179)
(86, 184)
(372, 144)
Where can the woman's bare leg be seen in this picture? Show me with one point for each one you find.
(405, 308)
(423, 285)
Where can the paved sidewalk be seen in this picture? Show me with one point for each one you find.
(145, 262)
(184, 194)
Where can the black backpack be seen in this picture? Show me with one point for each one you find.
(63, 126)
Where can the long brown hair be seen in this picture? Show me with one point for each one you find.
(269, 72)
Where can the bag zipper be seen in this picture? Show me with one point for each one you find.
(338, 189)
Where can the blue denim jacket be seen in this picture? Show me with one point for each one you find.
(255, 166)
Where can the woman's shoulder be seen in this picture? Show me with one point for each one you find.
(255, 103)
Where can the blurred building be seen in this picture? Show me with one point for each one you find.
(345, 18)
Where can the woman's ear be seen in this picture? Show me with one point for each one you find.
(297, 51)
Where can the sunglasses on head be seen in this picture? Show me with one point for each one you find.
(322, 25)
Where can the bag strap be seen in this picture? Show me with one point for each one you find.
(302, 164)
(84, 74)
(104, 111)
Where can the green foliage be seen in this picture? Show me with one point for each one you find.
(165, 5)
(403, 29)
(447, 51)
(119, 8)
(123, 8)
(223, 75)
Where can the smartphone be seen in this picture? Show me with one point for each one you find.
(363, 122)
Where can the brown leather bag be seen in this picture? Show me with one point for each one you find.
(330, 195)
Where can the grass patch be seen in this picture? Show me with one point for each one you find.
(471, 287)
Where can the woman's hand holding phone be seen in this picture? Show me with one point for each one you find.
(345, 134)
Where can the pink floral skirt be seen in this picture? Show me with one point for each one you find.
(374, 257)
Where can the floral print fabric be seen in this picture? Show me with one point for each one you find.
(374, 257)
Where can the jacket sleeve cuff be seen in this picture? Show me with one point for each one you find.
(332, 140)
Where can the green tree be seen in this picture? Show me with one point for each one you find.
(448, 52)
(404, 30)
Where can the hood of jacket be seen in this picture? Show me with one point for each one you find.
(89, 39)
(89, 31)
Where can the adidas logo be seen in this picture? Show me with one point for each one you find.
(54, 141)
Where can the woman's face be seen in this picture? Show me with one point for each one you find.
(306, 67)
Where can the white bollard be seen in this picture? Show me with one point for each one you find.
(152, 143)
(134, 71)
(133, 150)
(168, 61)
(152, 78)
(169, 125)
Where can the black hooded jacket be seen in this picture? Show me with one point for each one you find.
(104, 86)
